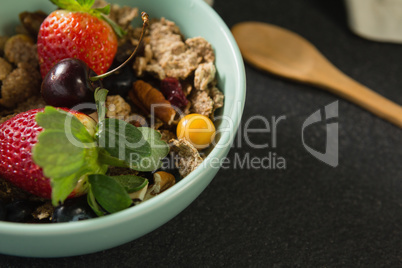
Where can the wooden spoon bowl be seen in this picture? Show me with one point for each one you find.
(287, 54)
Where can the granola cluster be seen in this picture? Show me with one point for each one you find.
(168, 54)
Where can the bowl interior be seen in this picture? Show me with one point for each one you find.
(195, 18)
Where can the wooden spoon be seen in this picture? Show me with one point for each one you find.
(287, 54)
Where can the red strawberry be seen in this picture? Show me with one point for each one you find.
(78, 32)
(17, 137)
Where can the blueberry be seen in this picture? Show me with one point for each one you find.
(75, 209)
(120, 82)
(19, 211)
(2, 211)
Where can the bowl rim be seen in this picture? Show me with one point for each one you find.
(48, 229)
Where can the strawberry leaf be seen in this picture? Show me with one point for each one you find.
(57, 119)
(71, 5)
(62, 188)
(65, 151)
(104, 10)
(54, 152)
(159, 150)
(86, 3)
(109, 193)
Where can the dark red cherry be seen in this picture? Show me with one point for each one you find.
(67, 84)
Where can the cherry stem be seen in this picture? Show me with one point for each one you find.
(145, 19)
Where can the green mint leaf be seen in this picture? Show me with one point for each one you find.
(121, 139)
(131, 183)
(106, 158)
(100, 100)
(109, 193)
(116, 28)
(159, 150)
(93, 204)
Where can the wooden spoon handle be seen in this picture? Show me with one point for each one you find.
(340, 84)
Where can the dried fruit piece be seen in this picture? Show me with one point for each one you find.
(171, 88)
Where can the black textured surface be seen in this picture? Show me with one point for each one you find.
(310, 214)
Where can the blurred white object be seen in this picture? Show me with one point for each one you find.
(379, 20)
(210, 2)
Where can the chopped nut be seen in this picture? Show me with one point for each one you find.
(204, 74)
(162, 181)
(149, 99)
(188, 156)
(117, 107)
(139, 196)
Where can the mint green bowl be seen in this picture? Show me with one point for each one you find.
(195, 18)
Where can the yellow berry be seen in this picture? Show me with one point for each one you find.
(197, 129)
